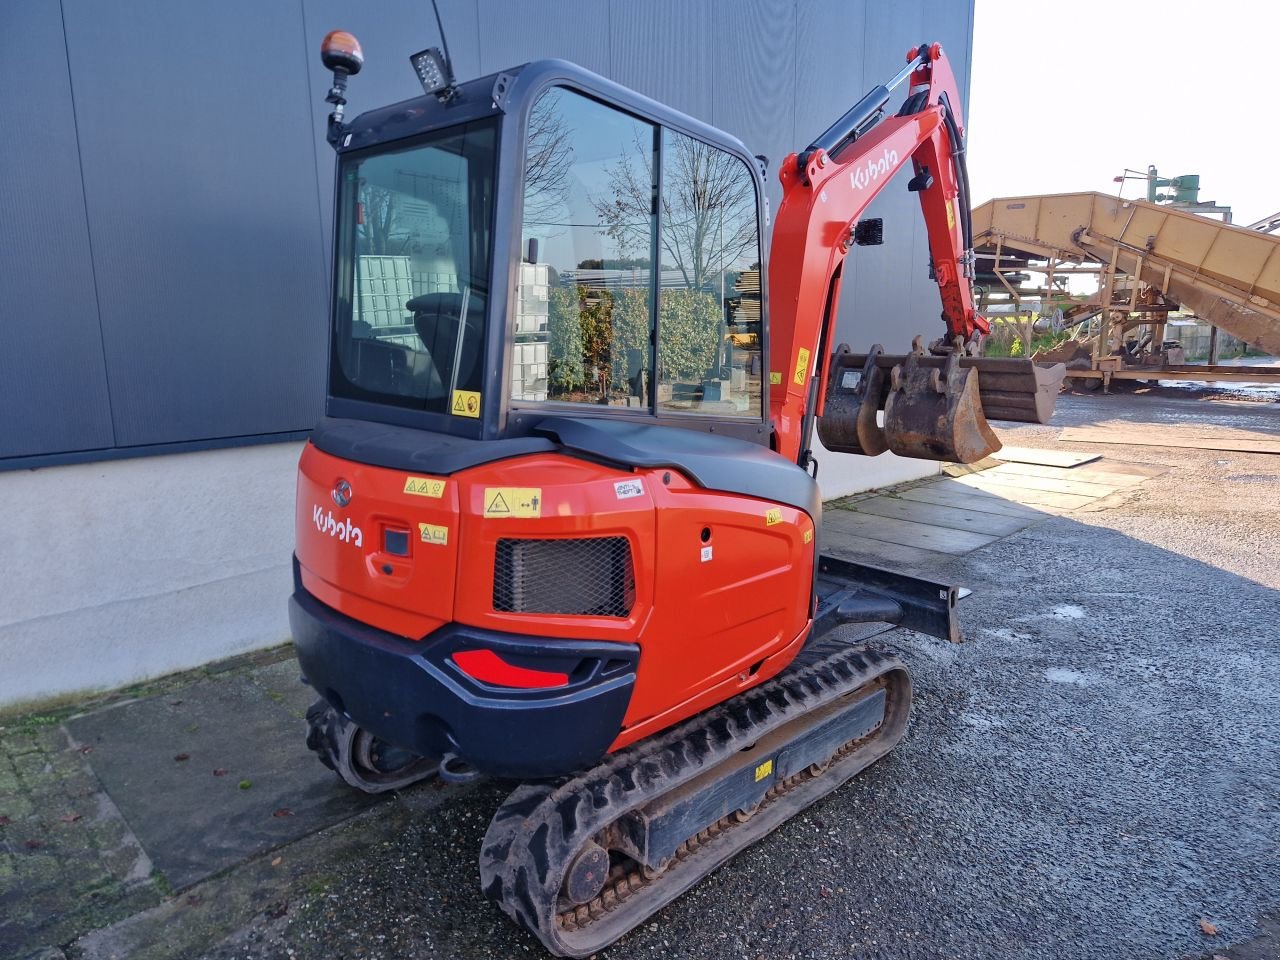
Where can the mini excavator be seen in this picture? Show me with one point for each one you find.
(560, 521)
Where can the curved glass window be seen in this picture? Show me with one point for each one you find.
(413, 272)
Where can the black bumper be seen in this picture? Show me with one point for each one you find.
(413, 695)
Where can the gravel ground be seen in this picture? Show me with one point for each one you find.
(1092, 775)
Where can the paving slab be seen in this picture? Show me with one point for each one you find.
(1028, 494)
(1059, 484)
(1086, 473)
(216, 774)
(907, 533)
(952, 517)
(1048, 458)
(970, 499)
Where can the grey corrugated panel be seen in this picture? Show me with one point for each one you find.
(201, 195)
(53, 390)
(753, 61)
(388, 31)
(513, 32)
(660, 48)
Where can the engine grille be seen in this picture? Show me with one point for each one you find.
(590, 576)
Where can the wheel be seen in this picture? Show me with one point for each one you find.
(358, 757)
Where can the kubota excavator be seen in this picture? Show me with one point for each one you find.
(559, 524)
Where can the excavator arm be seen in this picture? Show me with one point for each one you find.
(826, 190)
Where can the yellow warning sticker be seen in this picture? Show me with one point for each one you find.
(434, 533)
(775, 377)
(764, 770)
(808, 536)
(425, 486)
(951, 215)
(772, 516)
(802, 366)
(466, 403)
(513, 501)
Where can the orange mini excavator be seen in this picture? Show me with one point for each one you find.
(560, 521)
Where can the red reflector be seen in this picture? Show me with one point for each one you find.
(487, 667)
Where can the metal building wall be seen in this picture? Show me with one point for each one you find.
(165, 198)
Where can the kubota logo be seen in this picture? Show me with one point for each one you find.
(342, 529)
(873, 170)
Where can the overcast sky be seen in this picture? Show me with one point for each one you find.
(1065, 96)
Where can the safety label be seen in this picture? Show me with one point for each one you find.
(706, 554)
(466, 403)
(764, 770)
(425, 486)
(775, 377)
(802, 366)
(434, 533)
(513, 501)
(951, 215)
(772, 516)
(808, 536)
(626, 489)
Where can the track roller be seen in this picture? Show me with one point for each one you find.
(358, 757)
(581, 861)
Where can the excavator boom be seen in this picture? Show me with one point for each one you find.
(826, 190)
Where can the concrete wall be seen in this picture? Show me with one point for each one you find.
(115, 572)
(163, 257)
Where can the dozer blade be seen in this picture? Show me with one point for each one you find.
(854, 398)
(936, 414)
(580, 862)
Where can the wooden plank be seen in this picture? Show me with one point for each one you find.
(906, 533)
(1087, 474)
(1125, 468)
(956, 518)
(975, 500)
(990, 478)
(1043, 458)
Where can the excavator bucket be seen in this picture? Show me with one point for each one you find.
(934, 414)
(935, 406)
(855, 397)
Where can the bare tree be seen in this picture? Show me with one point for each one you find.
(548, 156)
(708, 207)
(379, 220)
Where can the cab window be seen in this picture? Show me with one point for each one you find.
(621, 216)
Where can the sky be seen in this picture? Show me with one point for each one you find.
(1064, 96)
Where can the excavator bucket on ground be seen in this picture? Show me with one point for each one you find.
(935, 406)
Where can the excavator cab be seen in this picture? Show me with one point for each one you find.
(544, 241)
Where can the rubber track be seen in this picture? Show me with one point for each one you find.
(535, 834)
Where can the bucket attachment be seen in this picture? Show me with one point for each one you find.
(854, 399)
(934, 414)
(946, 421)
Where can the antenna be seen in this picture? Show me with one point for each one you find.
(435, 69)
(444, 41)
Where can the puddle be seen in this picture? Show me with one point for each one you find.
(1063, 675)
(1067, 611)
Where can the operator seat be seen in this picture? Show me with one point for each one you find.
(435, 319)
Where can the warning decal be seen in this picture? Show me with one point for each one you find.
(772, 516)
(764, 770)
(802, 366)
(951, 216)
(513, 501)
(433, 533)
(775, 378)
(466, 403)
(808, 536)
(425, 486)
